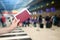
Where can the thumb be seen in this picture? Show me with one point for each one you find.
(17, 21)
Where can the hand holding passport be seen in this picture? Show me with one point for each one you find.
(23, 15)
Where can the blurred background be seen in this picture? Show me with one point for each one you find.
(8, 8)
(44, 23)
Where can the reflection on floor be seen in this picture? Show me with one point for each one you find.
(34, 33)
(17, 34)
(37, 33)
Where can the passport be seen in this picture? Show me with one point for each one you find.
(23, 15)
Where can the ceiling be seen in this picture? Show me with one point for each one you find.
(10, 5)
(13, 4)
(42, 5)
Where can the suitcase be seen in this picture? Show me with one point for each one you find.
(48, 25)
(41, 25)
(58, 24)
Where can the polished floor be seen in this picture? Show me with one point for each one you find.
(37, 33)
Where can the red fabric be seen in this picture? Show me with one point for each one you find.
(3, 19)
(23, 16)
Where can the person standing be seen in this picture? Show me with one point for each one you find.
(28, 21)
(35, 21)
(3, 20)
(40, 21)
(48, 21)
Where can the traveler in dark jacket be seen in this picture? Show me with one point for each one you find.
(40, 20)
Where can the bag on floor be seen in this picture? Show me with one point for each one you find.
(58, 24)
(48, 25)
(41, 25)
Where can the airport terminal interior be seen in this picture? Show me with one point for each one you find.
(43, 23)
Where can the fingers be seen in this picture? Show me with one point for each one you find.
(13, 20)
(20, 24)
(17, 21)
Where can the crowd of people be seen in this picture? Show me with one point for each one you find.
(48, 21)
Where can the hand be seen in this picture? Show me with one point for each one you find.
(20, 24)
(9, 29)
(15, 23)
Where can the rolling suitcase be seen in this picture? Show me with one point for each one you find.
(48, 25)
(41, 25)
(58, 24)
